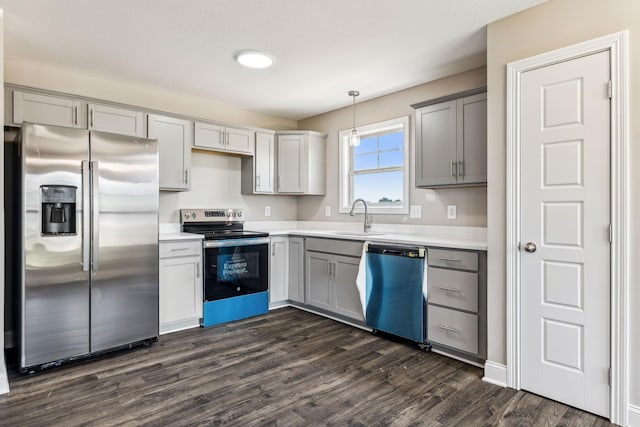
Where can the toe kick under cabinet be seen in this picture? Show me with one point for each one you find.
(456, 310)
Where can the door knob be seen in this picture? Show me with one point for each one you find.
(530, 247)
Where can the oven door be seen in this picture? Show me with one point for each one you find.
(235, 267)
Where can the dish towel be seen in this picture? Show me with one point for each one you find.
(361, 279)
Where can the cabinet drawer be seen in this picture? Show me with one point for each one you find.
(452, 328)
(186, 248)
(453, 259)
(335, 246)
(456, 289)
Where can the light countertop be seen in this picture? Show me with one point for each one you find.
(473, 238)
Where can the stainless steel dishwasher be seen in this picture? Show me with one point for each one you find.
(395, 301)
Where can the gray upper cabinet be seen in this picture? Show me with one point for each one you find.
(258, 172)
(48, 110)
(301, 162)
(215, 137)
(116, 120)
(174, 140)
(451, 141)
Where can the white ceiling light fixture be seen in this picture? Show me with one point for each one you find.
(254, 59)
(354, 138)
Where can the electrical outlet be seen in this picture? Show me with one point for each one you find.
(451, 212)
(327, 211)
(267, 211)
(415, 211)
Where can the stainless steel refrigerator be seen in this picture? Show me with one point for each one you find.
(89, 221)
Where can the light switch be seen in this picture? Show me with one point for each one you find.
(327, 211)
(451, 212)
(267, 211)
(415, 211)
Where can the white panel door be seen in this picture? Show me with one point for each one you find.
(240, 140)
(264, 159)
(208, 135)
(47, 110)
(291, 152)
(279, 269)
(175, 137)
(565, 213)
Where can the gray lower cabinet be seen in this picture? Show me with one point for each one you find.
(279, 270)
(456, 309)
(331, 269)
(451, 141)
(296, 269)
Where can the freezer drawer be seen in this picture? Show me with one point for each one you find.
(453, 329)
(451, 288)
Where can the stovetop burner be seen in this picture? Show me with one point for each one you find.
(217, 224)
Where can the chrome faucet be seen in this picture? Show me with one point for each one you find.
(367, 223)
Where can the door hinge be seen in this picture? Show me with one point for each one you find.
(610, 89)
(610, 233)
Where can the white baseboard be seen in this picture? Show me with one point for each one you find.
(633, 415)
(495, 373)
(179, 325)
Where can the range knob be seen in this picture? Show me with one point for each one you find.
(193, 215)
(233, 214)
(186, 215)
(240, 214)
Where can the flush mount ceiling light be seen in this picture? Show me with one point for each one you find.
(354, 138)
(254, 59)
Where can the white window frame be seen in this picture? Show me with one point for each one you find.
(346, 163)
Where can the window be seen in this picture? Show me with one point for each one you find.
(378, 169)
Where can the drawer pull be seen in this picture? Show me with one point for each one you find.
(179, 249)
(444, 258)
(446, 289)
(450, 329)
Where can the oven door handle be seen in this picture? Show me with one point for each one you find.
(235, 242)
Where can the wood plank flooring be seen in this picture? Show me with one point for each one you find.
(286, 368)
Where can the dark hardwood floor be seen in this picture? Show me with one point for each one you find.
(288, 368)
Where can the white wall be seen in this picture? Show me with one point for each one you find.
(550, 26)
(471, 202)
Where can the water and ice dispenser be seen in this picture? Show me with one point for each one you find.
(58, 210)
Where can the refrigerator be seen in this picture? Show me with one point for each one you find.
(87, 254)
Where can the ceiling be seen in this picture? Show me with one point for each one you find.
(322, 48)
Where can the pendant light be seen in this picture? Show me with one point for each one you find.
(354, 138)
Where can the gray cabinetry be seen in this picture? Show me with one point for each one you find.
(180, 284)
(331, 271)
(48, 110)
(278, 271)
(258, 171)
(451, 140)
(301, 162)
(215, 137)
(174, 146)
(456, 310)
(122, 121)
(296, 269)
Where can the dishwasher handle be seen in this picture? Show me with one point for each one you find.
(395, 250)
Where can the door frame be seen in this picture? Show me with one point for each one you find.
(617, 45)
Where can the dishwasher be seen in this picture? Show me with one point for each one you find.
(395, 300)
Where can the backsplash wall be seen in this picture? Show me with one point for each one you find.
(216, 184)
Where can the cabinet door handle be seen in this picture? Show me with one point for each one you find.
(454, 169)
(449, 259)
(91, 118)
(273, 249)
(258, 181)
(179, 249)
(460, 168)
(186, 176)
(198, 269)
(75, 116)
(447, 289)
(450, 329)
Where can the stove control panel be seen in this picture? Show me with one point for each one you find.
(211, 215)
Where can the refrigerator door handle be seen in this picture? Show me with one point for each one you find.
(95, 218)
(86, 215)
